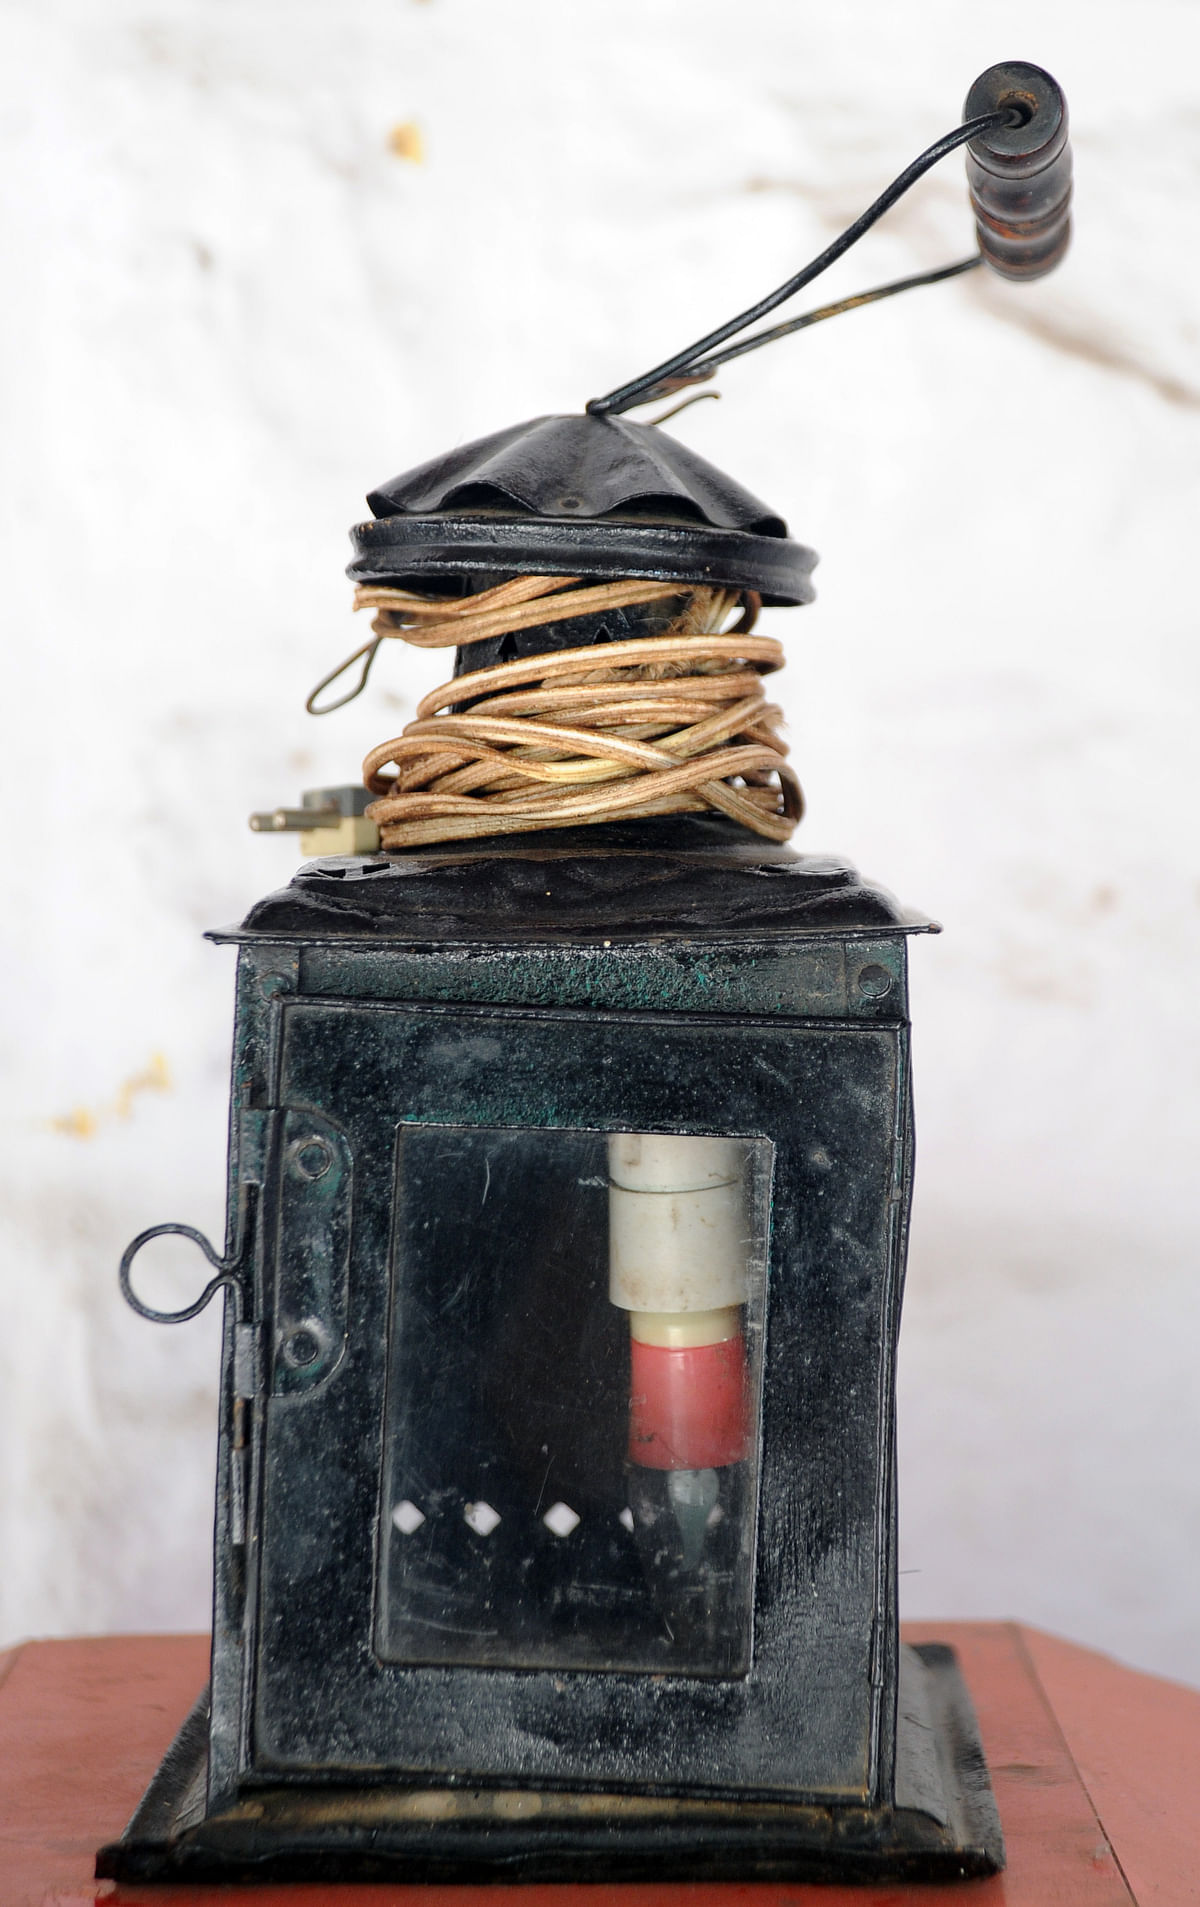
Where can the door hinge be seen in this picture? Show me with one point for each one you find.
(247, 1361)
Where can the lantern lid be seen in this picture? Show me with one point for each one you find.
(579, 496)
(672, 878)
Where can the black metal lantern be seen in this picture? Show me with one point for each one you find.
(570, 1169)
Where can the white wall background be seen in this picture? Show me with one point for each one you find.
(230, 309)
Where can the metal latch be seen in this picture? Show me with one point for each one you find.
(230, 1271)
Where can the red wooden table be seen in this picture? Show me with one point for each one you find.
(1096, 1770)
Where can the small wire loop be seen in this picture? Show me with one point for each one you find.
(697, 397)
(369, 650)
(228, 1273)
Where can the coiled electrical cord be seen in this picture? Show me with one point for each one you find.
(671, 724)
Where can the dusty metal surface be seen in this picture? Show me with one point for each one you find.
(944, 1825)
(691, 881)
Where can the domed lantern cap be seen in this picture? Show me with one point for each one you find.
(579, 496)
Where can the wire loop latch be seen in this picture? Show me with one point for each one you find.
(229, 1270)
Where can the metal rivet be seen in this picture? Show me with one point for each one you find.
(302, 1345)
(310, 1157)
(874, 982)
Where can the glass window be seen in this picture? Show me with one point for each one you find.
(573, 1399)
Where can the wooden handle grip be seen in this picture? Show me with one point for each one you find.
(1020, 175)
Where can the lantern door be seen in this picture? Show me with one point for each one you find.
(492, 1544)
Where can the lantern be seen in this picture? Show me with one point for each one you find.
(570, 1170)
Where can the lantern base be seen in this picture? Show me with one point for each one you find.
(943, 1826)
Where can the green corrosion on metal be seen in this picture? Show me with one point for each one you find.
(807, 979)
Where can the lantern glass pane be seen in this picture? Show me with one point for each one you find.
(571, 1465)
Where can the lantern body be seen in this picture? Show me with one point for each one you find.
(445, 1645)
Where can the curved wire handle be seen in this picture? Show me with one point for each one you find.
(702, 358)
(228, 1273)
(709, 366)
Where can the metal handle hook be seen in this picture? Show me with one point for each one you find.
(228, 1273)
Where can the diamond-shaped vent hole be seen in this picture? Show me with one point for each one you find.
(561, 1518)
(407, 1517)
(481, 1517)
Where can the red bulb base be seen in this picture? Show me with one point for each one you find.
(688, 1408)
